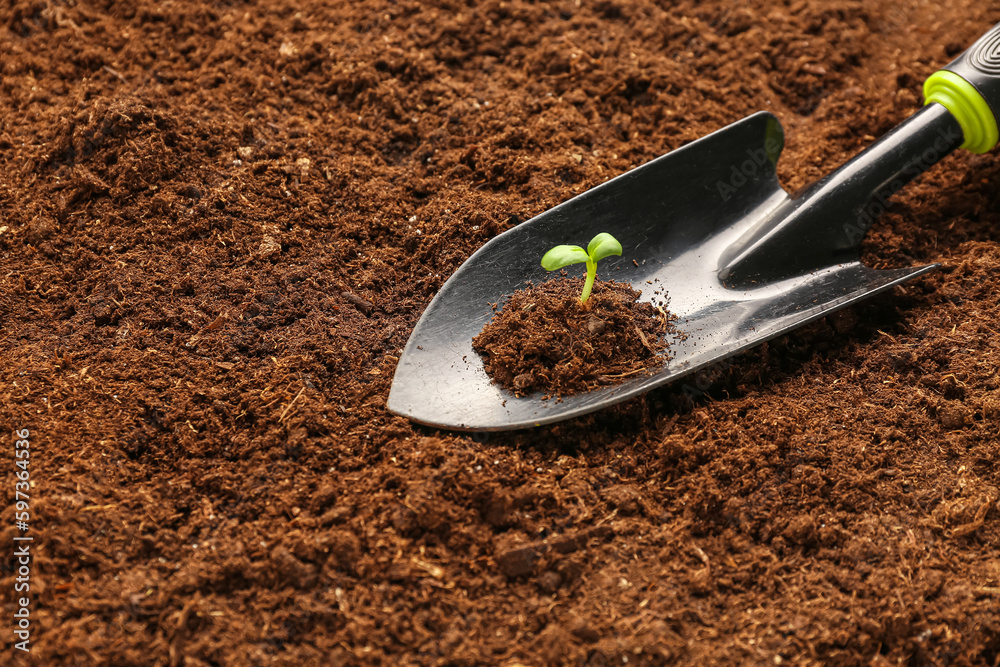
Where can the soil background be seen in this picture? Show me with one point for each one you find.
(219, 222)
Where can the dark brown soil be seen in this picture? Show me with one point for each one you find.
(544, 339)
(220, 221)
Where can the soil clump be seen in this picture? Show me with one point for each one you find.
(544, 339)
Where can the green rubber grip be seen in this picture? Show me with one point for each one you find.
(969, 87)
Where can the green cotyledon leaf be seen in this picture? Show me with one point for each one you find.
(563, 255)
(603, 245)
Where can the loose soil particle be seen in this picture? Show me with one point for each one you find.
(544, 339)
(219, 223)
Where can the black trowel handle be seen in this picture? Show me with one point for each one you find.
(969, 87)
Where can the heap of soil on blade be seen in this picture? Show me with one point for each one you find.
(544, 339)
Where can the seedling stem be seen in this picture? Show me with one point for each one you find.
(601, 246)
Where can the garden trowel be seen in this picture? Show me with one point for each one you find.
(709, 224)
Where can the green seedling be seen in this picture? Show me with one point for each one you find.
(601, 246)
